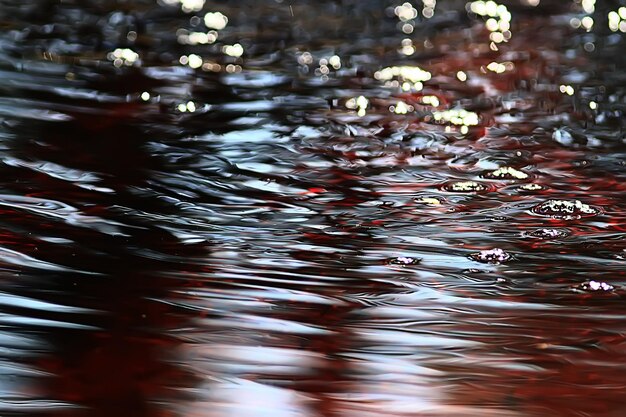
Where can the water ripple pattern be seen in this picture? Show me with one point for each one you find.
(312, 209)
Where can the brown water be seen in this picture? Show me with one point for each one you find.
(311, 209)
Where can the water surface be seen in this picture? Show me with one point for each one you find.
(312, 209)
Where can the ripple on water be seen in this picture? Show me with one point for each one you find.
(465, 187)
(403, 261)
(594, 286)
(259, 250)
(620, 255)
(531, 188)
(565, 209)
(494, 256)
(58, 211)
(547, 233)
(429, 201)
(505, 173)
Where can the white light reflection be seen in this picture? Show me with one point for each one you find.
(407, 47)
(305, 58)
(325, 65)
(196, 38)
(410, 77)
(231, 68)
(458, 117)
(401, 108)
(189, 106)
(359, 104)
(186, 6)
(215, 20)
(405, 12)
(589, 6)
(335, 61)
(587, 23)
(431, 100)
(566, 89)
(498, 19)
(617, 20)
(507, 173)
(235, 50)
(123, 56)
(499, 68)
(429, 8)
(192, 60)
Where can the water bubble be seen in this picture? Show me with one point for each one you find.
(506, 173)
(531, 187)
(547, 233)
(491, 256)
(403, 261)
(565, 209)
(465, 186)
(594, 286)
(429, 201)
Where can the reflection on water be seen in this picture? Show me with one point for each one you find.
(312, 208)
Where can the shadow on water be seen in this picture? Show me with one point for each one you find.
(297, 209)
(86, 272)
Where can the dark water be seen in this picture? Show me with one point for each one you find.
(312, 209)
